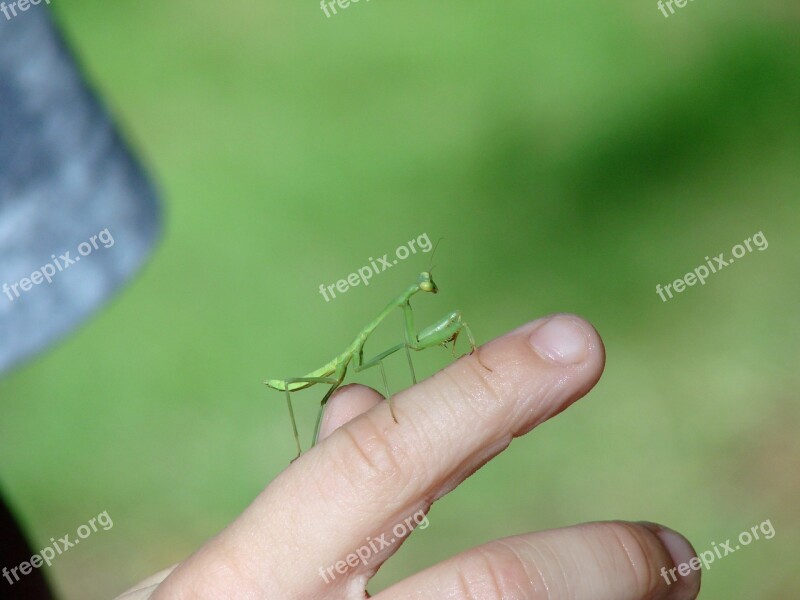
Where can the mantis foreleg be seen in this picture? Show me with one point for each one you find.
(440, 333)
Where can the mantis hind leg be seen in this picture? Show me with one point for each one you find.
(328, 394)
(388, 394)
(411, 365)
(378, 361)
(286, 383)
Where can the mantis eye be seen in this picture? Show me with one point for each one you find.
(426, 286)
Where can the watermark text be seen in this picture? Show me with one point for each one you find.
(374, 546)
(669, 3)
(58, 547)
(705, 559)
(702, 272)
(329, 6)
(365, 273)
(59, 264)
(10, 9)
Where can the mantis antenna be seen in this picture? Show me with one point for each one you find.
(431, 266)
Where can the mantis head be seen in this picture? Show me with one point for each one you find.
(426, 283)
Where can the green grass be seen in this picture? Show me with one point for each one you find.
(573, 156)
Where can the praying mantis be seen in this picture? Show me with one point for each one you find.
(441, 333)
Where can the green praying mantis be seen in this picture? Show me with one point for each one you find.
(441, 333)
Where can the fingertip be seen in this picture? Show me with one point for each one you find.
(565, 339)
(685, 570)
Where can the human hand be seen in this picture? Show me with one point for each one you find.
(369, 475)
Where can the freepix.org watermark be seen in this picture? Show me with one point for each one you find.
(374, 546)
(669, 3)
(365, 273)
(46, 556)
(10, 9)
(329, 6)
(59, 264)
(702, 272)
(705, 559)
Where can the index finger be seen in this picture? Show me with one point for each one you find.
(372, 472)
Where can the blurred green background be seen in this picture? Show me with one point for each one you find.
(572, 155)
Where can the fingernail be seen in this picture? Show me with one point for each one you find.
(560, 340)
(682, 555)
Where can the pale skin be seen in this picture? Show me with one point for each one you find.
(368, 473)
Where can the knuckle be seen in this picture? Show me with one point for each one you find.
(475, 389)
(493, 572)
(370, 460)
(638, 551)
(216, 579)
